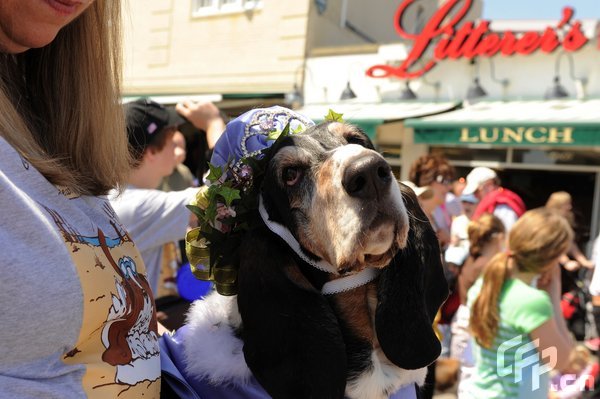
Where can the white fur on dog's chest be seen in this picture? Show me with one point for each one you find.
(212, 351)
(383, 379)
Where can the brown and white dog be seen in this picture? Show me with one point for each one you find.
(312, 325)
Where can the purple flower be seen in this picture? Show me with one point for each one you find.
(243, 176)
(245, 172)
(267, 123)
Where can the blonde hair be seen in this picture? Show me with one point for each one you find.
(558, 199)
(536, 239)
(579, 358)
(482, 231)
(556, 203)
(61, 103)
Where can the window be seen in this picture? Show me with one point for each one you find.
(217, 7)
(471, 154)
(560, 156)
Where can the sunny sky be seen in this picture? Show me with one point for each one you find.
(538, 9)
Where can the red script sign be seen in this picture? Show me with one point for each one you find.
(471, 40)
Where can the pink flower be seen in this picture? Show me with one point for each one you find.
(224, 211)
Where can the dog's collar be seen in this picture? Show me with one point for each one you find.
(350, 282)
(331, 287)
(287, 236)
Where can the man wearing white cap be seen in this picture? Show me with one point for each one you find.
(484, 184)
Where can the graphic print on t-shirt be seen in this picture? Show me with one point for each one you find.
(118, 342)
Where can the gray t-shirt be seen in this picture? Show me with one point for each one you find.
(153, 218)
(77, 311)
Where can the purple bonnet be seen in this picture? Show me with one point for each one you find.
(247, 135)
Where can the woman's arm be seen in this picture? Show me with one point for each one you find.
(554, 332)
(576, 253)
(554, 342)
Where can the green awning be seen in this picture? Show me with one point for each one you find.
(368, 116)
(369, 126)
(509, 135)
(518, 123)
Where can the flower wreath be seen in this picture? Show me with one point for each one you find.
(226, 208)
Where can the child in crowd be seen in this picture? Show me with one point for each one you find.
(486, 239)
(435, 172)
(515, 316)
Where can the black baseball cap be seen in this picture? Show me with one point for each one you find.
(145, 119)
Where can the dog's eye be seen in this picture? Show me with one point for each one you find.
(291, 175)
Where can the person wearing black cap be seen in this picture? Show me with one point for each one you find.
(155, 219)
(150, 129)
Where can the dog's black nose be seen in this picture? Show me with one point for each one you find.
(367, 177)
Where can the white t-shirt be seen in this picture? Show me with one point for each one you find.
(595, 283)
(77, 310)
(153, 218)
(459, 230)
(507, 215)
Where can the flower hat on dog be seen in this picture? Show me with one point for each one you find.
(225, 206)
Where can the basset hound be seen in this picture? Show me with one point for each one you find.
(339, 285)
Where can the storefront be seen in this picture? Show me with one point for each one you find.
(520, 96)
(538, 147)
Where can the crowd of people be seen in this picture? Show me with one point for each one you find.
(519, 288)
(89, 211)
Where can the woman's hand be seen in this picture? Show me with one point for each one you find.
(571, 265)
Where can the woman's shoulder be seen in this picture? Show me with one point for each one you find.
(519, 291)
(525, 307)
(516, 295)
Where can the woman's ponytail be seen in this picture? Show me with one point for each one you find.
(485, 312)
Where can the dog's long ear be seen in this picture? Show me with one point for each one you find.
(410, 292)
(292, 341)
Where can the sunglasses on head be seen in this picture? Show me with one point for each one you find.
(443, 180)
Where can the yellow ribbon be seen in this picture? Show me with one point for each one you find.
(198, 253)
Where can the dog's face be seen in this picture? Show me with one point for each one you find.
(338, 197)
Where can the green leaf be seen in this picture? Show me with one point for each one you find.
(298, 129)
(286, 130)
(334, 117)
(211, 211)
(229, 194)
(196, 211)
(213, 191)
(215, 173)
(273, 135)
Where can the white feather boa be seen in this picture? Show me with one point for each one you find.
(211, 349)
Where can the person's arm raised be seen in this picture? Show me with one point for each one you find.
(204, 116)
